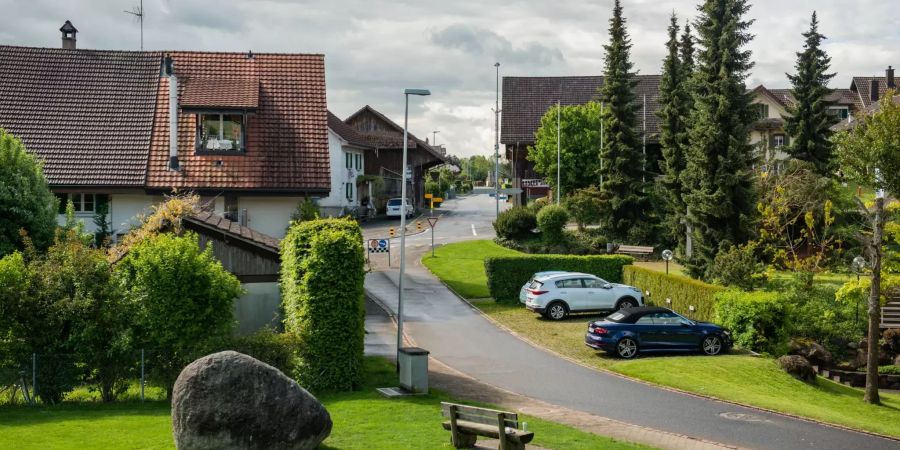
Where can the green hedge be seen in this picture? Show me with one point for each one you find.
(684, 292)
(507, 274)
(322, 291)
(757, 320)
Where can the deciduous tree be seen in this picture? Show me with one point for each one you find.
(25, 199)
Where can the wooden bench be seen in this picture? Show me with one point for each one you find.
(636, 250)
(466, 423)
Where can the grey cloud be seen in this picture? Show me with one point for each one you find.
(483, 42)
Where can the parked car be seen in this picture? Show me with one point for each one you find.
(394, 208)
(555, 296)
(626, 333)
(523, 293)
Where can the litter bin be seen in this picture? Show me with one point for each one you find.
(414, 370)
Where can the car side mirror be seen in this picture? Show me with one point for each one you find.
(607, 286)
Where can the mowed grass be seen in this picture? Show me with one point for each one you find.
(754, 381)
(461, 265)
(362, 420)
(750, 380)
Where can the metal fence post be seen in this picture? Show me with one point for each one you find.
(142, 375)
(34, 377)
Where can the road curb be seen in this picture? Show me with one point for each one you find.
(659, 386)
(374, 298)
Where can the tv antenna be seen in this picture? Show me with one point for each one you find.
(138, 13)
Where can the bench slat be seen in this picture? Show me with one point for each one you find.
(479, 415)
(520, 436)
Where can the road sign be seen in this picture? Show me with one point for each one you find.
(429, 195)
(379, 246)
(511, 191)
(432, 221)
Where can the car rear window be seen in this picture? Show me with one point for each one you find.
(535, 284)
(394, 202)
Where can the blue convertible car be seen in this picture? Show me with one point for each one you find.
(628, 332)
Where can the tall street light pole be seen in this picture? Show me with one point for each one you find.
(497, 144)
(434, 137)
(558, 152)
(403, 207)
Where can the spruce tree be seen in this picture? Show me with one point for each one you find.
(675, 107)
(717, 181)
(623, 190)
(809, 123)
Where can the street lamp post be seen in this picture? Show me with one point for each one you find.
(403, 204)
(497, 144)
(667, 256)
(434, 137)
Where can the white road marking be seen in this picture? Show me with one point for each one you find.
(474, 233)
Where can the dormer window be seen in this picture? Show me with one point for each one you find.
(220, 133)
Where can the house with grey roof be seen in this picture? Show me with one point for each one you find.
(526, 99)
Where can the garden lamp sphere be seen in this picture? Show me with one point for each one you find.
(667, 255)
(858, 263)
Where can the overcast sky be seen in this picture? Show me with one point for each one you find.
(374, 49)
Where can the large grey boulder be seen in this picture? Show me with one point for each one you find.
(798, 367)
(229, 400)
(814, 352)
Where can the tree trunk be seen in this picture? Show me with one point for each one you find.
(875, 306)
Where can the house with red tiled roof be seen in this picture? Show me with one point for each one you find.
(248, 132)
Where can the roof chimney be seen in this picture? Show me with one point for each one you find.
(889, 74)
(873, 90)
(169, 67)
(68, 35)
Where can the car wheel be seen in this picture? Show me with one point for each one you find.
(556, 311)
(712, 345)
(626, 303)
(627, 348)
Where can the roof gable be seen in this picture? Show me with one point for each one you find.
(87, 114)
(383, 133)
(526, 99)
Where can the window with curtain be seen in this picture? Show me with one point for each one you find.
(220, 132)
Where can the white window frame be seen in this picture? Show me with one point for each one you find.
(80, 204)
(778, 137)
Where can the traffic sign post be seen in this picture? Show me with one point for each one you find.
(431, 222)
(380, 246)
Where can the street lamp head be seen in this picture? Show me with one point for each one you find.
(858, 263)
(667, 255)
(417, 92)
(496, 64)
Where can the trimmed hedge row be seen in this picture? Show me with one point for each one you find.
(683, 292)
(507, 274)
(322, 273)
(757, 320)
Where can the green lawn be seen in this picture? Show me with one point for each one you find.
(461, 265)
(362, 419)
(740, 378)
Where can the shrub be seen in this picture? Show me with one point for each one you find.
(25, 198)
(278, 350)
(737, 266)
(506, 274)
(515, 223)
(538, 204)
(306, 210)
(552, 221)
(323, 273)
(682, 291)
(889, 370)
(183, 300)
(757, 320)
(585, 206)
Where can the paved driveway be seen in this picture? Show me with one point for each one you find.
(460, 337)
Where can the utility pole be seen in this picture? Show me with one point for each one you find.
(434, 138)
(497, 144)
(601, 145)
(644, 144)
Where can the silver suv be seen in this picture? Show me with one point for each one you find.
(556, 295)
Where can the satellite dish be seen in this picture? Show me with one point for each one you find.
(667, 255)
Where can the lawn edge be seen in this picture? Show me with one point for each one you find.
(656, 385)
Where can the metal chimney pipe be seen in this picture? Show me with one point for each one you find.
(889, 74)
(173, 114)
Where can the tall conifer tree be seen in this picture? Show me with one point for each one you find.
(809, 123)
(626, 204)
(717, 180)
(675, 107)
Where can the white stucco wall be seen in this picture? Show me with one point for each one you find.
(269, 215)
(124, 209)
(337, 198)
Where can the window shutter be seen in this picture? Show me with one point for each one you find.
(771, 141)
(63, 200)
(102, 202)
(787, 140)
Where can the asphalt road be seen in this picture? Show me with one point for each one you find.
(460, 337)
